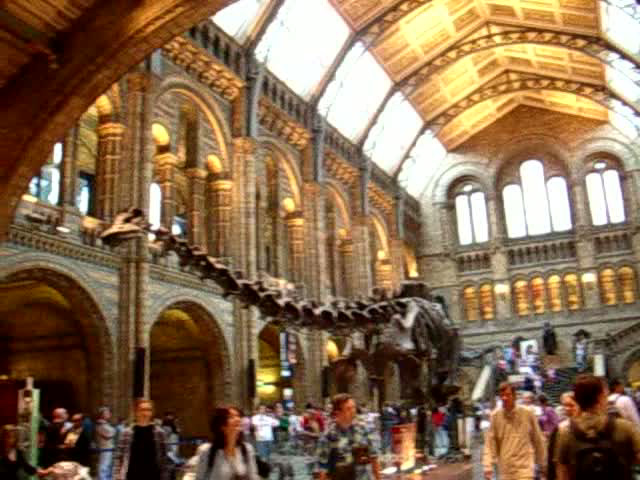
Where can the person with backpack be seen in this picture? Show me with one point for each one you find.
(622, 405)
(228, 456)
(595, 446)
(513, 443)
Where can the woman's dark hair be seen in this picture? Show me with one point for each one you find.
(219, 419)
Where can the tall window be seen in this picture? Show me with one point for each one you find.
(574, 298)
(605, 195)
(471, 216)
(46, 186)
(527, 206)
(487, 307)
(470, 297)
(627, 282)
(538, 294)
(155, 205)
(554, 287)
(608, 287)
(521, 297)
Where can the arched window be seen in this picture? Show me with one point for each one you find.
(554, 287)
(471, 304)
(605, 194)
(46, 186)
(627, 282)
(521, 297)
(471, 216)
(538, 295)
(574, 298)
(608, 287)
(155, 205)
(486, 302)
(527, 206)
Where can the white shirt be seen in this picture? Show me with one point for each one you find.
(225, 468)
(626, 407)
(264, 425)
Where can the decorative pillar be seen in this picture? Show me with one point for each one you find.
(165, 168)
(195, 211)
(361, 258)
(220, 216)
(295, 232)
(348, 268)
(69, 169)
(109, 157)
(134, 178)
(243, 250)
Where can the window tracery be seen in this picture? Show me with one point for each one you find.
(471, 215)
(527, 204)
(604, 191)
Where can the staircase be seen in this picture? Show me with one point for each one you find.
(562, 382)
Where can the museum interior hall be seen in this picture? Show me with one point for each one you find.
(207, 202)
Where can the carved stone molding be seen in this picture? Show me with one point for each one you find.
(340, 170)
(280, 124)
(204, 67)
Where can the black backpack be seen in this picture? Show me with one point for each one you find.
(596, 458)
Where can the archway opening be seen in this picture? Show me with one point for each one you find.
(45, 335)
(186, 368)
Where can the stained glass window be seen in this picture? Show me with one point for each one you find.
(521, 297)
(486, 302)
(538, 295)
(608, 287)
(574, 298)
(627, 282)
(554, 287)
(471, 304)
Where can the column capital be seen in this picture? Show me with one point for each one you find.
(295, 218)
(138, 81)
(110, 128)
(197, 172)
(166, 159)
(221, 184)
(245, 145)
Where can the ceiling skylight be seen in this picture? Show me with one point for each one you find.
(422, 162)
(619, 27)
(391, 136)
(355, 93)
(238, 18)
(302, 42)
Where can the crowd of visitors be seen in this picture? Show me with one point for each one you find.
(591, 435)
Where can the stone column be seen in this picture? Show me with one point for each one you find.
(585, 250)
(396, 252)
(362, 279)
(109, 157)
(134, 177)
(220, 216)
(295, 232)
(196, 206)
(69, 170)
(243, 250)
(165, 167)
(348, 266)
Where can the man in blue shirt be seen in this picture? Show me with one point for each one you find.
(347, 448)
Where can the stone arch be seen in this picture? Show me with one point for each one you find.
(288, 164)
(207, 105)
(483, 174)
(340, 200)
(546, 148)
(611, 146)
(94, 326)
(626, 362)
(210, 325)
(38, 116)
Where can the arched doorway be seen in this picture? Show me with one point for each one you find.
(53, 331)
(188, 366)
(281, 375)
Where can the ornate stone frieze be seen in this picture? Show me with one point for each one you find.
(340, 169)
(45, 242)
(184, 279)
(204, 67)
(280, 124)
